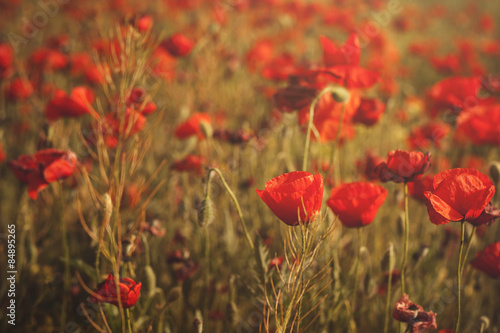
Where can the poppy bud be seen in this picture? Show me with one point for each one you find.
(206, 212)
(387, 263)
(495, 171)
(485, 322)
(151, 278)
(174, 294)
(197, 326)
(340, 94)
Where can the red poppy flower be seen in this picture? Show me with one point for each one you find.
(403, 166)
(178, 45)
(280, 68)
(369, 111)
(19, 89)
(294, 194)
(295, 96)
(136, 99)
(356, 204)
(458, 195)
(488, 260)
(480, 125)
(190, 163)
(420, 186)
(106, 292)
(487, 217)
(327, 117)
(145, 23)
(423, 137)
(408, 312)
(75, 105)
(449, 64)
(48, 59)
(193, 126)
(366, 166)
(2, 153)
(276, 263)
(6, 60)
(456, 94)
(344, 63)
(133, 124)
(259, 54)
(45, 167)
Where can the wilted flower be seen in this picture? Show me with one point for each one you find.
(408, 312)
(106, 292)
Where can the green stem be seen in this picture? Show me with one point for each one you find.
(303, 229)
(127, 316)
(356, 271)
(389, 289)
(459, 274)
(310, 125)
(235, 201)
(333, 160)
(468, 248)
(405, 240)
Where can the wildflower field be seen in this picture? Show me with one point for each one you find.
(249, 166)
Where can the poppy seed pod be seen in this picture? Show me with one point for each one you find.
(340, 94)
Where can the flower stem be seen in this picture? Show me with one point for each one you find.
(459, 274)
(235, 201)
(127, 316)
(356, 272)
(468, 247)
(389, 289)
(310, 125)
(334, 159)
(405, 240)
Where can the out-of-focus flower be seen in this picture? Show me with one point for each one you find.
(6, 61)
(369, 111)
(19, 89)
(194, 126)
(178, 45)
(420, 186)
(367, 166)
(403, 166)
(356, 204)
(276, 262)
(480, 125)
(458, 195)
(294, 195)
(456, 94)
(192, 163)
(106, 292)
(46, 166)
(488, 260)
(327, 118)
(77, 104)
(423, 137)
(408, 312)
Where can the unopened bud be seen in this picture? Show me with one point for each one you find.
(495, 171)
(206, 213)
(340, 94)
(485, 322)
(206, 129)
(197, 326)
(174, 294)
